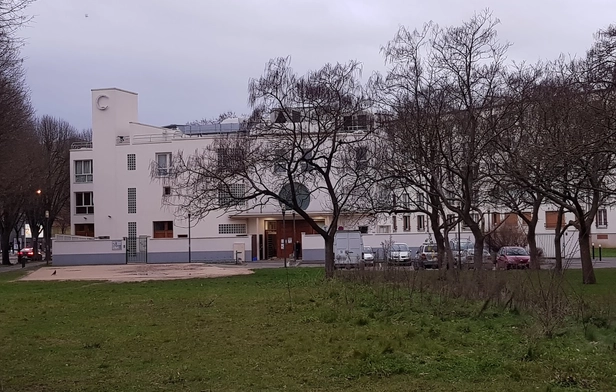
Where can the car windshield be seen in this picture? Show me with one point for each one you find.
(367, 249)
(399, 247)
(516, 252)
(429, 248)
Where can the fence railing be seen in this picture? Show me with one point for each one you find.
(81, 146)
(67, 237)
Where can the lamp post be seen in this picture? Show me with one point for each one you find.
(189, 250)
(284, 237)
(294, 244)
(47, 237)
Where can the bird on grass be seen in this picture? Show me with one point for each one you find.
(54, 272)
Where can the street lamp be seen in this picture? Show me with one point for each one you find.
(189, 250)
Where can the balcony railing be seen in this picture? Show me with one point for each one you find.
(81, 146)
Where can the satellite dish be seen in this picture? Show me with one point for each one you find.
(302, 196)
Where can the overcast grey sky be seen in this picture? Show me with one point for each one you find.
(190, 59)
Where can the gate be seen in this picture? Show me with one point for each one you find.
(136, 249)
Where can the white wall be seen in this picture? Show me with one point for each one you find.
(84, 247)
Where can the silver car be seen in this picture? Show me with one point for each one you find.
(399, 253)
(368, 255)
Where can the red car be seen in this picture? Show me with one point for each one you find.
(28, 254)
(512, 257)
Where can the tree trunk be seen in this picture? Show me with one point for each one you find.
(440, 246)
(558, 256)
(478, 248)
(588, 272)
(329, 256)
(4, 240)
(558, 232)
(532, 245)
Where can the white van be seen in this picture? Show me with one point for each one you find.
(348, 248)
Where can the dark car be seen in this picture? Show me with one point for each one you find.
(27, 254)
(512, 257)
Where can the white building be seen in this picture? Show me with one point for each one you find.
(114, 199)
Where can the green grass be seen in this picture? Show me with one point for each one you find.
(605, 252)
(245, 334)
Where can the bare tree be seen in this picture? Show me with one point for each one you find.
(454, 78)
(15, 120)
(308, 141)
(52, 172)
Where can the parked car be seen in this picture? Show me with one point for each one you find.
(28, 255)
(426, 256)
(399, 253)
(512, 257)
(467, 253)
(368, 255)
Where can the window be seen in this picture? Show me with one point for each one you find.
(281, 117)
(551, 218)
(601, 220)
(84, 203)
(166, 191)
(405, 200)
(384, 229)
(131, 162)
(231, 195)
(280, 162)
(421, 223)
(306, 162)
(231, 159)
(420, 200)
(163, 229)
(232, 228)
(451, 218)
(496, 218)
(83, 171)
(406, 223)
(85, 230)
(355, 123)
(394, 221)
(163, 164)
(363, 229)
(132, 200)
(361, 158)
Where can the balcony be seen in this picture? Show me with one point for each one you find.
(81, 146)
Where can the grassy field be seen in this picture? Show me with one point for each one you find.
(252, 333)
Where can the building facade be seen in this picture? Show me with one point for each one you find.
(116, 196)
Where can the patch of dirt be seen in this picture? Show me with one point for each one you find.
(135, 272)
